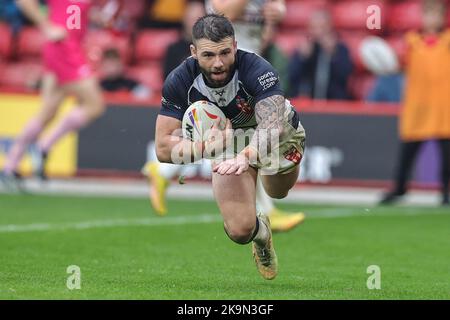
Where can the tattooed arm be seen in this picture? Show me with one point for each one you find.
(269, 114)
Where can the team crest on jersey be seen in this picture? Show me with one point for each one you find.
(219, 92)
(293, 155)
(243, 105)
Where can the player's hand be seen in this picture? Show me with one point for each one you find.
(237, 166)
(54, 33)
(218, 140)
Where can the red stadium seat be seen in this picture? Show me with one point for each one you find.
(97, 41)
(151, 45)
(5, 41)
(30, 43)
(405, 15)
(353, 41)
(298, 12)
(150, 74)
(352, 14)
(20, 76)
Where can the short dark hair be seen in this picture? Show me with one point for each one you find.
(213, 27)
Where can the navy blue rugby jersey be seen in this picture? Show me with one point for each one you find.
(253, 80)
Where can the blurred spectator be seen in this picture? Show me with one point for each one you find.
(163, 14)
(426, 107)
(111, 15)
(180, 50)
(321, 68)
(249, 18)
(380, 59)
(114, 78)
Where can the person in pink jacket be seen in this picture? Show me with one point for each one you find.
(67, 72)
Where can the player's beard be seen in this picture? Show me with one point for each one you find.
(218, 77)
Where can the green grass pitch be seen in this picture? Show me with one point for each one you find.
(124, 251)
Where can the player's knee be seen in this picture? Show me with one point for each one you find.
(45, 116)
(241, 234)
(95, 104)
(95, 111)
(101, 108)
(98, 109)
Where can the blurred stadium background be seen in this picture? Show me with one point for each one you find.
(93, 211)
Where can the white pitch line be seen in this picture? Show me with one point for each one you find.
(201, 219)
(108, 223)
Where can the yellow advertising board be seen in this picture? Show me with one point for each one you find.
(15, 111)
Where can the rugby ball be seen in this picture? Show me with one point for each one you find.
(199, 118)
(378, 56)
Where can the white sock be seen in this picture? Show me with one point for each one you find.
(169, 170)
(264, 203)
(151, 151)
(262, 236)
